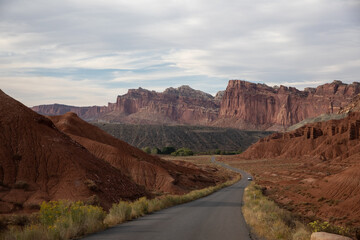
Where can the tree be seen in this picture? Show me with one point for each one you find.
(155, 151)
(146, 149)
(168, 150)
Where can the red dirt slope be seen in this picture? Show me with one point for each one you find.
(40, 163)
(334, 139)
(154, 173)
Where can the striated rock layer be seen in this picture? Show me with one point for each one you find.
(155, 174)
(182, 105)
(250, 105)
(242, 105)
(334, 139)
(40, 163)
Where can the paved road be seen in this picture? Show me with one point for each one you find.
(217, 216)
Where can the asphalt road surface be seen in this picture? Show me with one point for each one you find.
(217, 216)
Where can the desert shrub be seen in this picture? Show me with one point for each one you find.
(147, 150)
(183, 152)
(91, 185)
(18, 220)
(33, 232)
(139, 207)
(318, 226)
(168, 150)
(69, 220)
(155, 151)
(269, 221)
(118, 213)
(93, 200)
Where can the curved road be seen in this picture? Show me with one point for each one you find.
(217, 216)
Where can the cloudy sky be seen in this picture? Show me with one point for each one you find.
(88, 52)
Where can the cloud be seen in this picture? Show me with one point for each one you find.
(48, 90)
(161, 42)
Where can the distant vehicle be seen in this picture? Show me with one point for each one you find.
(250, 179)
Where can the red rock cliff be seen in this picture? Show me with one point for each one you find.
(243, 105)
(250, 105)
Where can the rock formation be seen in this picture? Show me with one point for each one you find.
(249, 105)
(327, 236)
(242, 105)
(182, 105)
(353, 106)
(334, 139)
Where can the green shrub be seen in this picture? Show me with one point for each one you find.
(155, 151)
(147, 150)
(168, 150)
(183, 152)
(318, 226)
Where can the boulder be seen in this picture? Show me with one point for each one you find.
(327, 236)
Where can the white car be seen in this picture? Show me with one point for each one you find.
(250, 179)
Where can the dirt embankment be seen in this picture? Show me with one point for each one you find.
(40, 163)
(155, 174)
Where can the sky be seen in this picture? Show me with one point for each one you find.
(86, 53)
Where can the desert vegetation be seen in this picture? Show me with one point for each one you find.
(186, 151)
(199, 139)
(269, 221)
(68, 220)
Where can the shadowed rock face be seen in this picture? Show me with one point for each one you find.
(242, 105)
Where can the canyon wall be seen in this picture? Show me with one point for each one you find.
(242, 105)
(250, 105)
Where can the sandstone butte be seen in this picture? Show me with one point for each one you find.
(42, 161)
(242, 105)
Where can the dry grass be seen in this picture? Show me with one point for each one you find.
(68, 220)
(269, 221)
(60, 220)
(124, 211)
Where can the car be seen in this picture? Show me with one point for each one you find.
(250, 179)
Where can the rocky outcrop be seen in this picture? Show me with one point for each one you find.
(182, 105)
(250, 105)
(243, 105)
(334, 139)
(327, 236)
(353, 106)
